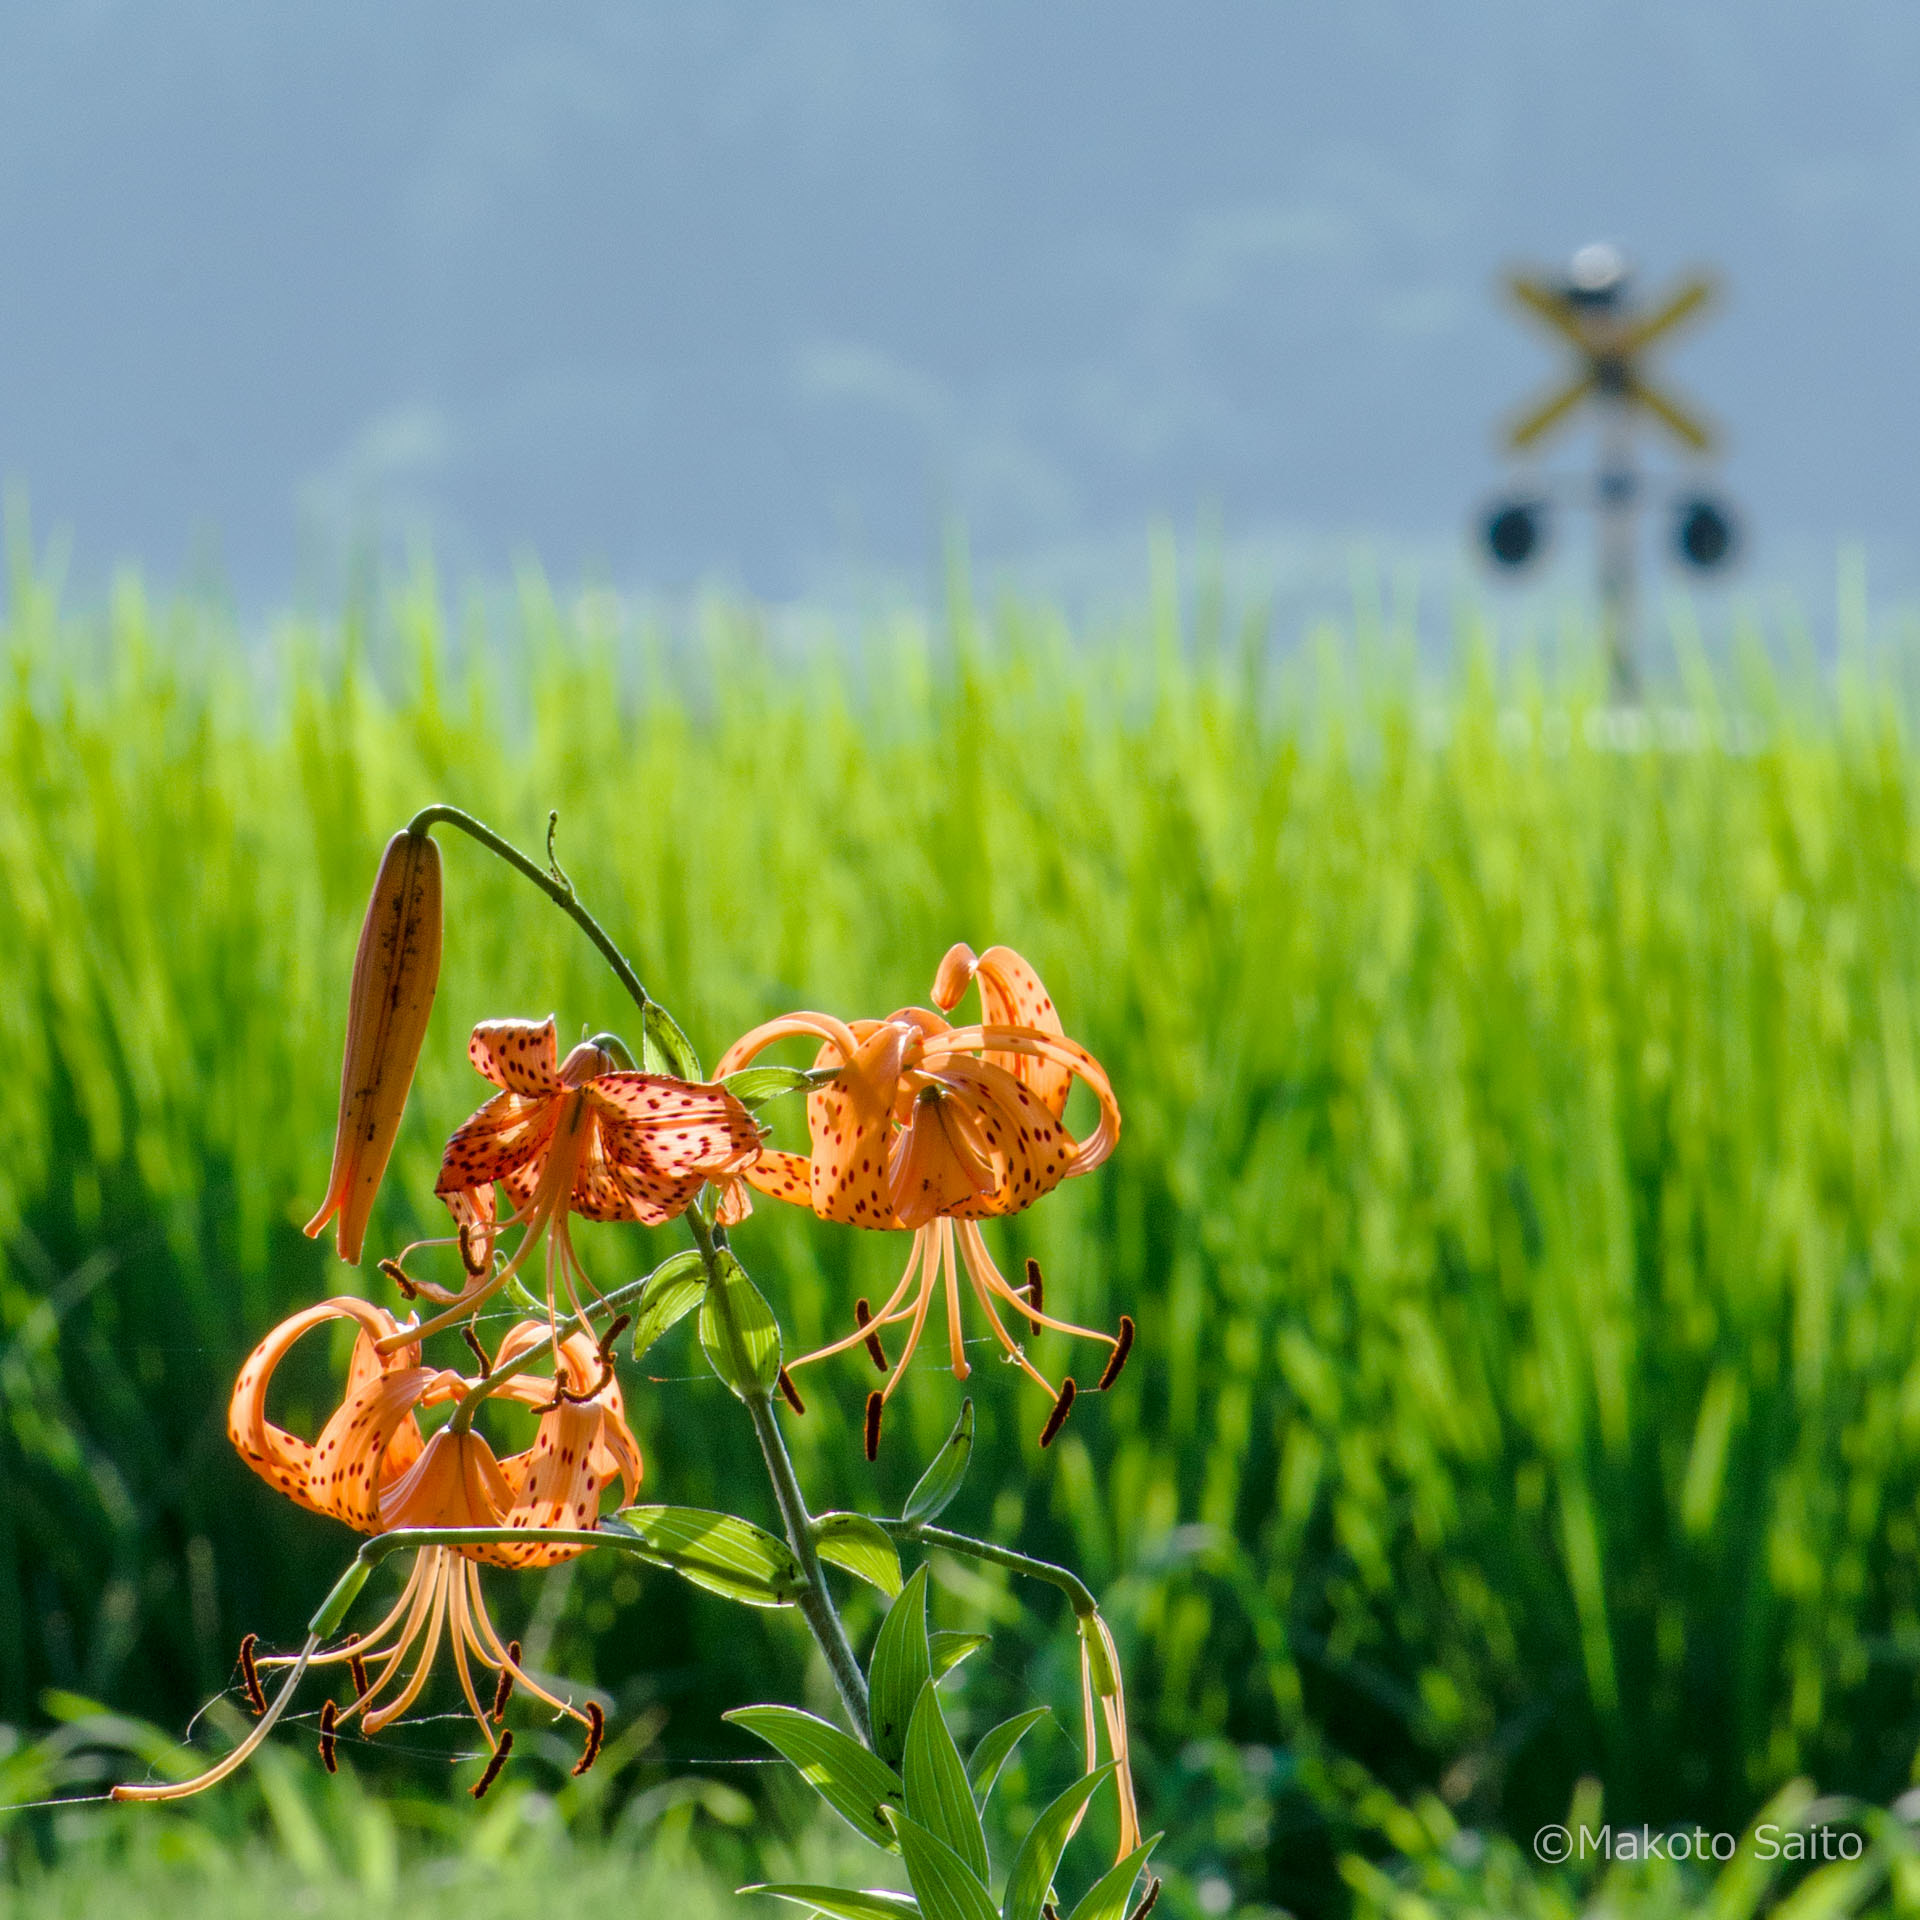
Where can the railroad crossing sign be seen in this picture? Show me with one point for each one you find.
(1591, 308)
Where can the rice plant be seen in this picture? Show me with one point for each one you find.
(1517, 1194)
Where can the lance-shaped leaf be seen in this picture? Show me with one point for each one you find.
(949, 1649)
(843, 1903)
(996, 1747)
(943, 1883)
(938, 1795)
(941, 1481)
(664, 1047)
(1106, 1899)
(739, 1332)
(1039, 1857)
(852, 1541)
(720, 1552)
(902, 1664)
(853, 1782)
(671, 1292)
(753, 1087)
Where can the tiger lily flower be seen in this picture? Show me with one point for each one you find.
(929, 1128)
(573, 1136)
(372, 1469)
(395, 971)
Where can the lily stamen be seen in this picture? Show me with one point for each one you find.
(1061, 1408)
(596, 1733)
(862, 1316)
(250, 1676)
(494, 1764)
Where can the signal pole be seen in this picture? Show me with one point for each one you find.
(1589, 307)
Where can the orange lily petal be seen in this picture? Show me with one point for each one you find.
(851, 1121)
(350, 1457)
(280, 1457)
(1035, 1151)
(783, 1176)
(941, 1162)
(1011, 995)
(997, 1042)
(508, 1133)
(456, 1482)
(521, 1056)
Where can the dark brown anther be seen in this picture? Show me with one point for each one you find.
(471, 1257)
(499, 1760)
(875, 1407)
(596, 1732)
(250, 1676)
(1118, 1358)
(1146, 1906)
(1058, 1417)
(862, 1315)
(479, 1352)
(503, 1692)
(791, 1392)
(329, 1716)
(398, 1275)
(1048, 1911)
(1036, 1292)
(613, 1333)
(357, 1667)
(561, 1396)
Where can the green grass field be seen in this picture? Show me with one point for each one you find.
(1518, 1195)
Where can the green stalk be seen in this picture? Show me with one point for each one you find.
(816, 1603)
(550, 880)
(920, 1534)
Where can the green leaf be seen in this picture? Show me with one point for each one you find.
(852, 1541)
(664, 1048)
(671, 1292)
(949, 1649)
(739, 1332)
(941, 1481)
(843, 1903)
(720, 1552)
(902, 1664)
(753, 1087)
(937, 1792)
(853, 1782)
(946, 1887)
(1106, 1899)
(996, 1746)
(1039, 1857)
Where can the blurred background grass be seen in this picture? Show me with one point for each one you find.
(1517, 1196)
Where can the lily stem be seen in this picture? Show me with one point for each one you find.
(816, 1603)
(558, 890)
(918, 1533)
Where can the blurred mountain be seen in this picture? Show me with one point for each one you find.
(771, 292)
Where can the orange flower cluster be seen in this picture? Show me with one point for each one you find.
(929, 1128)
(924, 1126)
(578, 1136)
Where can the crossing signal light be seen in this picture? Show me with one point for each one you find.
(1704, 533)
(1516, 532)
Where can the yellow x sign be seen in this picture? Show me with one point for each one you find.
(1609, 340)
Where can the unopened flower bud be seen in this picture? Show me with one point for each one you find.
(395, 972)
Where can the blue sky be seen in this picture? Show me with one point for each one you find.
(766, 293)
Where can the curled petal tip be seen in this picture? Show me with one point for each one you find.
(954, 976)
